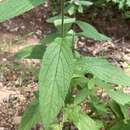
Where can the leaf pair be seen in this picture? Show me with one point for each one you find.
(87, 30)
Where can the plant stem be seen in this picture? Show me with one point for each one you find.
(62, 15)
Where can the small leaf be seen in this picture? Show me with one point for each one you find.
(125, 110)
(12, 8)
(30, 116)
(57, 21)
(81, 121)
(82, 94)
(86, 3)
(97, 104)
(54, 18)
(90, 32)
(115, 107)
(103, 70)
(91, 83)
(71, 9)
(68, 20)
(54, 79)
(31, 52)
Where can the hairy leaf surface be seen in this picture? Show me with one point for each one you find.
(54, 80)
(12, 8)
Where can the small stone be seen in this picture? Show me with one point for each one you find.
(4, 59)
(17, 120)
(2, 128)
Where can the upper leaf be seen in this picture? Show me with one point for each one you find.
(90, 32)
(31, 116)
(103, 70)
(54, 79)
(12, 8)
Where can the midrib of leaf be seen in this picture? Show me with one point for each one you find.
(55, 77)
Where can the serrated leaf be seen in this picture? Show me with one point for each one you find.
(12, 8)
(30, 116)
(119, 97)
(90, 32)
(103, 70)
(54, 79)
(31, 52)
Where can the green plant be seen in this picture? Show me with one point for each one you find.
(123, 6)
(68, 79)
(122, 3)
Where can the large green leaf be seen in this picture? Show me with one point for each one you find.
(12, 8)
(54, 79)
(90, 32)
(103, 70)
(30, 116)
(31, 52)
